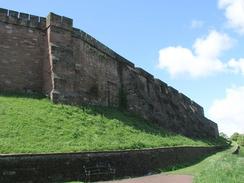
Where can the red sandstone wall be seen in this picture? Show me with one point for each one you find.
(52, 57)
(81, 72)
(87, 72)
(21, 51)
(96, 74)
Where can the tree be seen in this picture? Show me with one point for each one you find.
(225, 138)
(235, 136)
(221, 134)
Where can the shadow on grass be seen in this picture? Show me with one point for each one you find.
(111, 113)
(33, 95)
(129, 119)
(146, 126)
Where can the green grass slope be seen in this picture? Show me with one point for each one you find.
(223, 167)
(35, 125)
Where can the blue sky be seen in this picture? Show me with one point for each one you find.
(194, 46)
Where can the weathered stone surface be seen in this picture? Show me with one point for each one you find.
(72, 166)
(21, 58)
(70, 66)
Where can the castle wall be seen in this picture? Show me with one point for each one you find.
(51, 56)
(88, 72)
(21, 51)
(155, 101)
(82, 73)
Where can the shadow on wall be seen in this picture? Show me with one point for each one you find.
(137, 122)
(32, 95)
(74, 166)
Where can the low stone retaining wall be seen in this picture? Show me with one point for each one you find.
(94, 166)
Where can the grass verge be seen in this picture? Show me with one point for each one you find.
(32, 124)
(223, 167)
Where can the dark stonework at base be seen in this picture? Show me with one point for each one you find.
(95, 166)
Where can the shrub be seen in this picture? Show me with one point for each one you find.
(240, 140)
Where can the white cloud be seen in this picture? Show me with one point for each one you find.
(202, 61)
(211, 46)
(195, 24)
(229, 111)
(234, 12)
(236, 66)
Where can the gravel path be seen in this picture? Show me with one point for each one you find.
(159, 178)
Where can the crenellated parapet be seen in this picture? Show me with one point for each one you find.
(18, 18)
(59, 21)
(77, 33)
(193, 106)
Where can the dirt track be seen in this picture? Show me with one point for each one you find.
(159, 178)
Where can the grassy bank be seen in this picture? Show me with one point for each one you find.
(35, 125)
(223, 167)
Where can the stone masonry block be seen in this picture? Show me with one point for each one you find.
(185, 98)
(67, 23)
(23, 19)
(42, 23)
(161, 83)
(173, 91)
(34, 20)
(3, 15)
(24, 16)
(13, 17)
(3, 12)
(13, 14)
(76, 33)
(54, 50)
(53, 19)
(59, 21)
(122, 59)
(144, 73)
